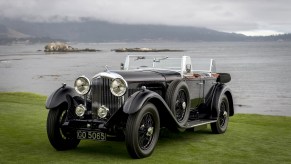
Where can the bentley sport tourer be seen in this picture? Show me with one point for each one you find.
(147, 93)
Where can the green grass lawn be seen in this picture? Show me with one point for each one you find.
(249, 139)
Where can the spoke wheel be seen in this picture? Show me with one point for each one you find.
(222, 119)
(145, 132)
(178, 100)
(223, 116)
(181, 104)
(60, 138)
(142, 131)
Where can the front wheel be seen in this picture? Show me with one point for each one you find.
(142, 131)
(60, 138)
(223, 116)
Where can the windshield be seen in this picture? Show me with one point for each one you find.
(184, 65)
(203, 65)
(159, 62)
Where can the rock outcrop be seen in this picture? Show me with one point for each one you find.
(63, 47)
(144, 50)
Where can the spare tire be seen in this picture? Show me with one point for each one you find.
(223, 78)
(178, 99)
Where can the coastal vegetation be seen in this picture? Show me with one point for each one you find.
(249, 139)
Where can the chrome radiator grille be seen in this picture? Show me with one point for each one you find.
(101, 95)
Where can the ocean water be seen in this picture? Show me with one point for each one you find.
(261, 71)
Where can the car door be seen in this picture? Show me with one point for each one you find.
(195, 86)
(208, 83)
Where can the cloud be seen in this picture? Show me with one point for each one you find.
(224, 15)
(259, 32)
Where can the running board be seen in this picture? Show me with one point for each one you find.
(196, 123)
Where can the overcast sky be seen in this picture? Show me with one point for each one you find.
(250, 17)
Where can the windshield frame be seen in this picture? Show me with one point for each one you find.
(183, 64)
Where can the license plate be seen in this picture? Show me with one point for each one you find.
(91, 135)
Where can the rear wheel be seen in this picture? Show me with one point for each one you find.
(142, 131)
(60, 138)
(178, 99)
(223, 116)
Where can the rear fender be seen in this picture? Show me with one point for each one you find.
(59, 96)
(220, 90)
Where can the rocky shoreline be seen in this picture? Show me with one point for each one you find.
(63, 47)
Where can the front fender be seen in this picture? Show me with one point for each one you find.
(60, 96)
(137, 100)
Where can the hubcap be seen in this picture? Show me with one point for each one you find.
(184, 105)
(224, 114)
(150, 131)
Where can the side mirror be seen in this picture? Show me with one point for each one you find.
(122, 66)
(188, 68)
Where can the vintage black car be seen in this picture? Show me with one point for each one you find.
(149, 92)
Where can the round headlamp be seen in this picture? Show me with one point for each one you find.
(82, 85)
(80, 110)
(118, 87)
(103, 111)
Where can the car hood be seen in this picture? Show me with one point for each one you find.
(149, 75)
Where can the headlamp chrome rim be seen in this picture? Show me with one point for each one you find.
(82, 85)
(80, 110)
(118, 87)
(103, 111)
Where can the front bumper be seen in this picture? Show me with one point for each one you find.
(90, 125)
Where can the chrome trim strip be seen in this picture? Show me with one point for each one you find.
(111, 75)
